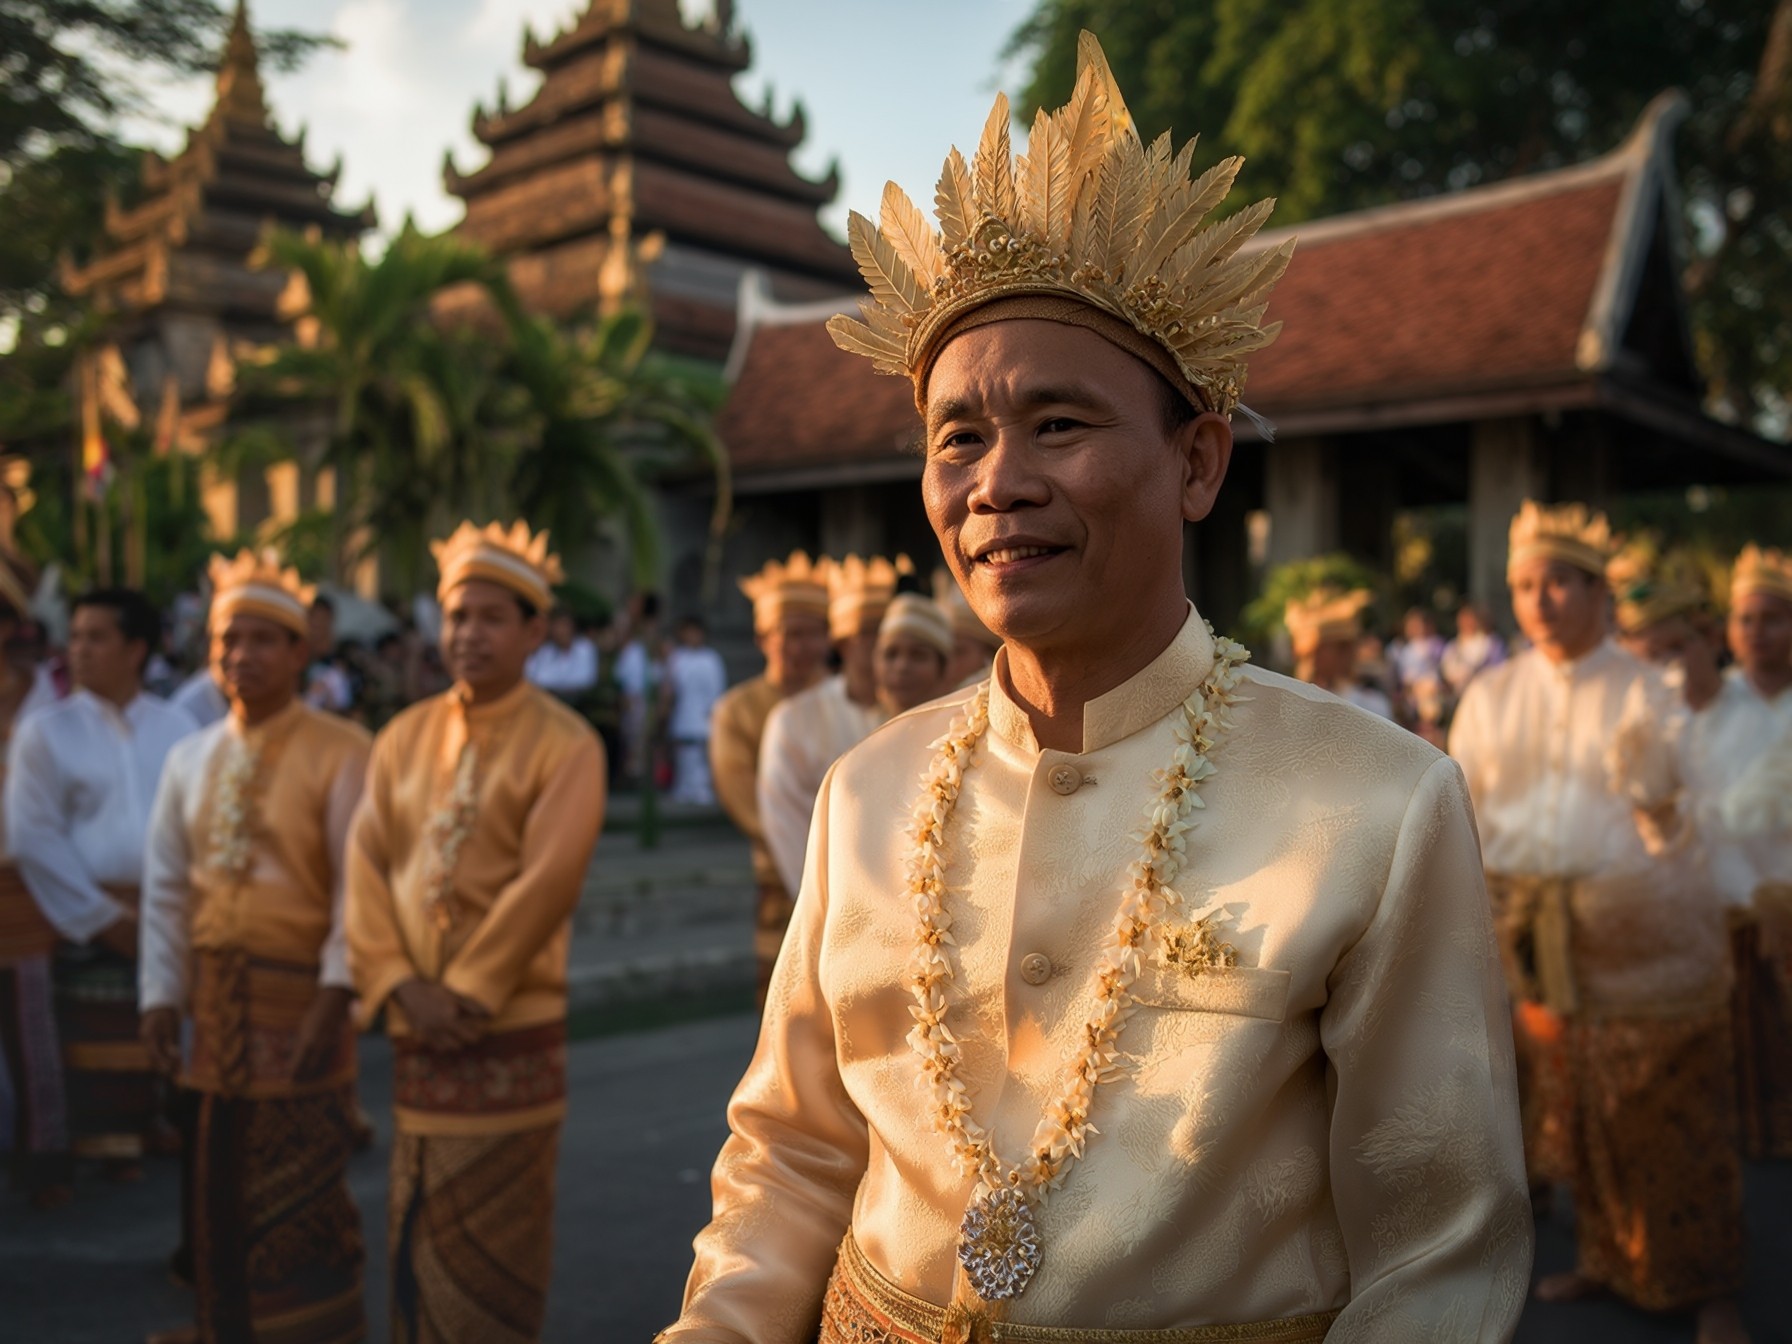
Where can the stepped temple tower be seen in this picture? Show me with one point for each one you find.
(635, 172)
(176, 279)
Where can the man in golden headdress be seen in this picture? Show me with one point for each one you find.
(914, 653)
(1325, 628)
(1616, 951)
(467, 858)
(243, 937)
(974, 645)
(1130, 993)
(809, 731)
(790, 625)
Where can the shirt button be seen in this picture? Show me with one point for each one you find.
(1035, 968)
(1065, 779)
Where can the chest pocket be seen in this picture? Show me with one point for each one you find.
(1243, 991)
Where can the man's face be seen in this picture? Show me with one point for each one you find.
(258, 661)
(1760, 634)
(1334, 662)
(561, 629)
(486, 639)
(858, 653)
(795, 647)
(1561, 609)
(909, 672)
(100, 658)
(1056, 492)
(1670, 642)
(323, 631)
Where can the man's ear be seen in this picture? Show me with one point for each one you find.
(1205, 446)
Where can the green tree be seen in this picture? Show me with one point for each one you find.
(1339, 104)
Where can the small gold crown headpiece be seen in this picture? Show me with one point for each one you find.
(1324, 614)
(1571, 533)
(1089, 227)
(1761, 569)
(958, 610)
(920, 618)
(859, 592)
(255, 584)
(796, 584)
(513, 557)
(1650, 585)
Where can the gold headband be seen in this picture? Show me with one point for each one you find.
(1761, 570)
(1571, 533)
(255, 585)
(513, 558)
(795, 584)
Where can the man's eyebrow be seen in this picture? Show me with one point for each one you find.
(1028, 398)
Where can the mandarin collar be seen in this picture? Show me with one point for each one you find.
(291, 710)
(125, 715)
(492, 709)
(1134, 705)
(1589, 662)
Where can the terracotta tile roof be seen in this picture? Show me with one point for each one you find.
(1482, 291)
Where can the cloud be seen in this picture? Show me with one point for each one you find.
(501, 22)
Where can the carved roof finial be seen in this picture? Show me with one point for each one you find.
(240, 96)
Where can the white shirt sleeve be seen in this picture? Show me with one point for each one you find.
(37, 831)
(785, 805)
(167, 913)
(345, 797)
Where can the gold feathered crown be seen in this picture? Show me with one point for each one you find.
(255, 582)
(1325, 613)
(1088, 214)
(1650, 584)
(1761, 569)
(514, 557)
(1572, 533)
(859, 591)
(798, 583)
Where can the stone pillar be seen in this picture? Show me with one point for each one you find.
(1505, 469)
(1300, 492)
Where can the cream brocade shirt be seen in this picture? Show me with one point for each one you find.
(1723, 746)
(1536, 742)
(804, 736)
(1332, 1124)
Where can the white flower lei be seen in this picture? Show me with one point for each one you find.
(444, 835)
(1064, 1128)
(233, 810)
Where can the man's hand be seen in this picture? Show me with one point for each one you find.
(438, 1015)
(159, 1031)
(120, 936)
(320, 1033)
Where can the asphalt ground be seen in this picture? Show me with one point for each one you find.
(647, 1100)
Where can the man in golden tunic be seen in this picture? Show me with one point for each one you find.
(1165, 1005)
(482, 808)
(790, 625)
(242, 936)
(1615, 945)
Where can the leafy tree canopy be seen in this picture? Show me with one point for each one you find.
(1340, 104)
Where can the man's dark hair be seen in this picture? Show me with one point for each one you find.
(138, 618)
(650, 606)
(529, 609)
(1176, 409)
(692, 622)
(322, 603)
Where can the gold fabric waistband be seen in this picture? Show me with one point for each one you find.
(862, 1307)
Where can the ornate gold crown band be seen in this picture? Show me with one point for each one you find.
(1090, 217)
(513, 558)
(1761, 570)
(255, 584)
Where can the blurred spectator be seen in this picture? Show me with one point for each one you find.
(327, 685)
(201, 697)
(1416, 655)
(566, 663)
(696, 678)
(1475, 648)
(641, 677)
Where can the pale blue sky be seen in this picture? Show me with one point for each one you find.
(888, 85)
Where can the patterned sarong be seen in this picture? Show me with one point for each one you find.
(112, 1095)
(472, 1194)
(276, 1235)
(1658, 1179)
(1546, 1086)
(278, 1247)
(862, 1307)
(1761, 1018)
(31, 1055)
(471, 1231)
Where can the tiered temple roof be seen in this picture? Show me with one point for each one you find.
(185, 247)
(635, 169)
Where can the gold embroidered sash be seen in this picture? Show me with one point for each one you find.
(862, 1307)
(1534, 921)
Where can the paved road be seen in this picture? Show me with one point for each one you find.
(646, 1120)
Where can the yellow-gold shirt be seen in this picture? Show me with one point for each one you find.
(539, 802)
(1332, 1124)
(737, 728)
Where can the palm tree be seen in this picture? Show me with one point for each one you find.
(606, 410)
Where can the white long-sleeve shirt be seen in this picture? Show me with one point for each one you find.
(201, 697)
(805, 735)
(698, 678)
(79, 787)
(1721, 745)
(1535, 741)
(565, 671)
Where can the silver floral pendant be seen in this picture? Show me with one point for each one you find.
(998, 1244)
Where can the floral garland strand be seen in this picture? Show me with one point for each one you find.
(445, 834)
(1064, 1129)
(232, 836)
